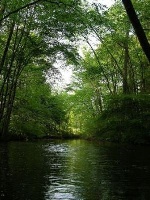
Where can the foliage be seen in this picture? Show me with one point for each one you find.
(115, 76)
(33, 33)
(37, 111)
(109, 97)
(126, 119)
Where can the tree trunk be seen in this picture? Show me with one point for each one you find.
(137, 27)
(126, 63)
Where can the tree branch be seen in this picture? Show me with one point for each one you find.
(27, 6)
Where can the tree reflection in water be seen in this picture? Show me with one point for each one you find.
(77, 170)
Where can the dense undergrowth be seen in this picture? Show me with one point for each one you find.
(126, 119)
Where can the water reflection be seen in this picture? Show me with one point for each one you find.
(4, 172)
(74, 170)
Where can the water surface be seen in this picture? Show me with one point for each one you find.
(74, 170)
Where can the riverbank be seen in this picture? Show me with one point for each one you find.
(136, 136)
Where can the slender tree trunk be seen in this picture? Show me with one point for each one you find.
(6, 47)
(98, 62)
(125, 66)
(9, 106)
(98, 102)
(132, 82)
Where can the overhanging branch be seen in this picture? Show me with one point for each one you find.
(27, 6)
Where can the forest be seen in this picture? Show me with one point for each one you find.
(108, 98)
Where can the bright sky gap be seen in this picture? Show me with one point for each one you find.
(67, 71)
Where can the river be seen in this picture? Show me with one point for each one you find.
(74, 170)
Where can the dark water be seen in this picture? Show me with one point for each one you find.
(74, 170)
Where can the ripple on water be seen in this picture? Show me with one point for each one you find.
(62, 191)
(74, 170)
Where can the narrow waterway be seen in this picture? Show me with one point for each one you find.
(74, 170)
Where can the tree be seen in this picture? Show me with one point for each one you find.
(37, 111)
(31, 34)
(116, 73)
(137, 27)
